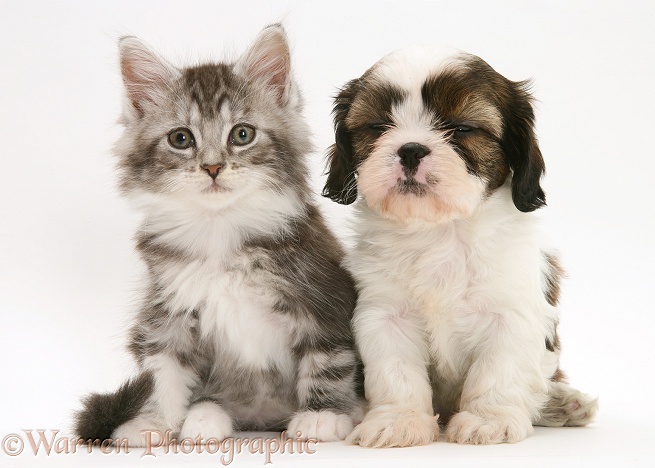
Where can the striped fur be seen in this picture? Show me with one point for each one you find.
(245, 317)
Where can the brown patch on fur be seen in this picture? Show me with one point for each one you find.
(374, 106)
(357, 125)
(553, 277)
(559, 376)
(554, 344)
(483, 157)
(464, 94)
(461, 95)
(518, 141)
(369, 116)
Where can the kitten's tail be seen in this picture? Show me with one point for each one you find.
(103, 413)
(567, 407)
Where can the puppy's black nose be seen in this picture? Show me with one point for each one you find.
(411, 154)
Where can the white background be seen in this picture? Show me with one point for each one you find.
(68, 271)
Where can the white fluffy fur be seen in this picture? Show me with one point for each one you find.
(207, 280)
(451, 311)
(466, 297)
(206, 420)
(169, 401)
(325, 426)
(386, 426)
(407, 68)
(134, 431)
(230, 304)
(455, 195)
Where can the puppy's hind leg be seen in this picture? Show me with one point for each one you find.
(567, 406)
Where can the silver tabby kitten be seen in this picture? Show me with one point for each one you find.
(245, 322)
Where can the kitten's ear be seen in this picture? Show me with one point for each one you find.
(268, 60)
(146, 76)
(341, 184)
(522, 150)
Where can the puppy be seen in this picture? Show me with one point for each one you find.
(457, 296)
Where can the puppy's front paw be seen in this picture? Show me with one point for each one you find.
(206, 420)
(469, 428)
(137, 431)
(386, 428)
(324, 426)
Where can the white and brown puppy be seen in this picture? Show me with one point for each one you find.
(457, 295)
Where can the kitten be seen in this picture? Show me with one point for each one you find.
(245, 321)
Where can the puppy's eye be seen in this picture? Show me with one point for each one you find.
(377, 126)
(181, 138)
(460, 130)
(463, 129)
(242, 135)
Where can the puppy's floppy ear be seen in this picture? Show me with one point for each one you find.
(523, 154)
(341, 185)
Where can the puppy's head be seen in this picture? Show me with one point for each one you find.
(430, 133)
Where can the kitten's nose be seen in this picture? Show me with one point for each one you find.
(411, 154)
(212, 169)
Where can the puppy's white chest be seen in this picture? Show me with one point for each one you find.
(437, 274)
(231, 313)
(446, 283)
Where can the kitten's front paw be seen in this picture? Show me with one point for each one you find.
(389, 428)
(138, 431)
(324, 426)
(469, 428)
(206, 420)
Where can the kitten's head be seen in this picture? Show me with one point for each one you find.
(213, 133)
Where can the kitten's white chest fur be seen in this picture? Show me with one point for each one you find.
(232, 314)
(234, 307)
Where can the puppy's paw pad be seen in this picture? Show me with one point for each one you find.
(394, 429)
(469, 428)
(206, 420)
(324, 426)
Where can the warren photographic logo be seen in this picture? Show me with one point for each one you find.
(51, 443)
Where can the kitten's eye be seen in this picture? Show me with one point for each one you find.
(181, 138)
(242, 135)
